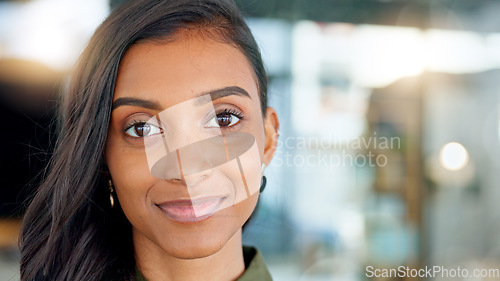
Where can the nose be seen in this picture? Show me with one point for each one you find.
(170, 167)
(187, 164)
(194, 179)
(201, 156)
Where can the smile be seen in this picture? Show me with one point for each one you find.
(188, 211)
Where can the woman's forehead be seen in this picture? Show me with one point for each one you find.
(182, 69)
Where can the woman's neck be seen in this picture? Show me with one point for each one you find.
(155, 264)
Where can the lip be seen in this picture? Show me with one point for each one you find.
(190, 211)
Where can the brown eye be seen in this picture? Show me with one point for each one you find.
(224, 120)
(142, 129)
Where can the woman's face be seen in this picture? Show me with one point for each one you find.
(186, 143)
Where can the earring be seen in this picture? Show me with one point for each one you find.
(263, 180)
(111, 198)
(263, 183)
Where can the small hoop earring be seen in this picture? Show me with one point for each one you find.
(111, 198)
(263, 183)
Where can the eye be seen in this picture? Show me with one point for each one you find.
(142, 129)
(226, 118)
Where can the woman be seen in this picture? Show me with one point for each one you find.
(164, 130)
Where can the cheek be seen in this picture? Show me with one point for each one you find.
(130, 175)
(256, 128)
(244, 172)
(250, 162)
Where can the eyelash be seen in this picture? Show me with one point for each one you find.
(231, 112)
(134, 123)
(225, 111)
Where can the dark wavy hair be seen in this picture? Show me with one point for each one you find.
(69, 231)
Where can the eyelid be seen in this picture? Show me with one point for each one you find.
(135, 122)
(140, 117)
(226, 106)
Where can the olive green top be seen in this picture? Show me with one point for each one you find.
(255, 268)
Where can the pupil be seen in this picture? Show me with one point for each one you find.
(224, 120)
(142, 129)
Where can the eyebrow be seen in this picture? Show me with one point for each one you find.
(135, 102)
(223, 92)
(214, 95)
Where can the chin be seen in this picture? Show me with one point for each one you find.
(204, 244)
(197, 251)
(202, 239)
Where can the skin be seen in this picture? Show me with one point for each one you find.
(169, 74)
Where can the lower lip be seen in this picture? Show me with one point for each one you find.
(195, 212)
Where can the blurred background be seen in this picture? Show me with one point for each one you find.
(389, 153)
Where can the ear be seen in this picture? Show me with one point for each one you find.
(271, 127)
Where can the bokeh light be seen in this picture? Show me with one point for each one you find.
(453, 156)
